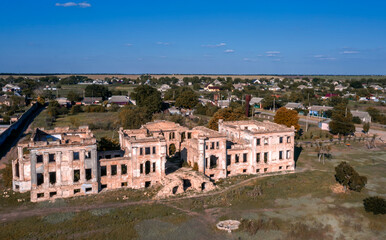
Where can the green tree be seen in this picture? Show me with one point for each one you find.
(97, 91)
(341, 121)
(147, 97)
(106, 144)
(133, 117)
(75, 109)
(366, 127)
(73, 96)
(349, 178)
(376, 115)
(53, 109)
(336, 100)
(356, 120)
(187, 99)
(375, 205)
(287, 117)
(228, 114)
(7, 175)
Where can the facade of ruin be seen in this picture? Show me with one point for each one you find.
(65, 162)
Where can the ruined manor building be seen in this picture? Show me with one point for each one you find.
(64, 162)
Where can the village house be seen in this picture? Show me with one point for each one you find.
(11, 88)
(292, 106)
(5, 100)
(64, 162)
(91, 100)
(363, 116)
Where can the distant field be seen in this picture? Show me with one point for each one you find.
(253, 76)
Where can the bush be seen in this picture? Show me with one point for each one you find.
(76, 109)
(106, 144)
(348, 177)
(356, 120)
(94, 108)
(7, 175)
(375, 205)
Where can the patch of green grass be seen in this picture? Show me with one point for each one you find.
(117, 224)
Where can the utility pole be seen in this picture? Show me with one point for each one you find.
(308, 112)
(274, 98)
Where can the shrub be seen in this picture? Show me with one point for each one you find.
(348, 177)
(375, 205)
(76, 109)
(7, 175)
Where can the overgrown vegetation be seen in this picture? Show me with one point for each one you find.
(349, 178)
(376, 205)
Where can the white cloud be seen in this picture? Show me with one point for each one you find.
(84, 4)
(249, 60)
(73, 4)
(229, 51)
(323, 57)
(215, 45)
(272, 52)
(163, 43)
(129, 44)
(349, 52)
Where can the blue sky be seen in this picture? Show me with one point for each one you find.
(240, 37)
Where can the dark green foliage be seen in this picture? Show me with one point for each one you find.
(187, 99)
(208, 109)
(76, 109)
(106, 144)
(6, 175)
(376, 115)
(227, 114)
(131, 117)
(336, 100)
(94, 108)
(375, 205)
(147, 97)
(356, 84)
(97, 91)
(366, 127)
(73, 96)
(54, 109)
(348, 177)
(341, 121)
(356, 120)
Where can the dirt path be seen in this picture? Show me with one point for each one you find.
(19, 213)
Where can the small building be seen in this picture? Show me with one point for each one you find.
(63, 101)
(92, 100)
(223, 103)
(292, 106)
(274, 88)
(11, 88)
(174, 111)
(164, 88)
(212, 88)
(256, 102)
(238, 86)
(340, 87)
(120, 100)
(5, 100)
(324, 125)
(319, 111)
(363, 116)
